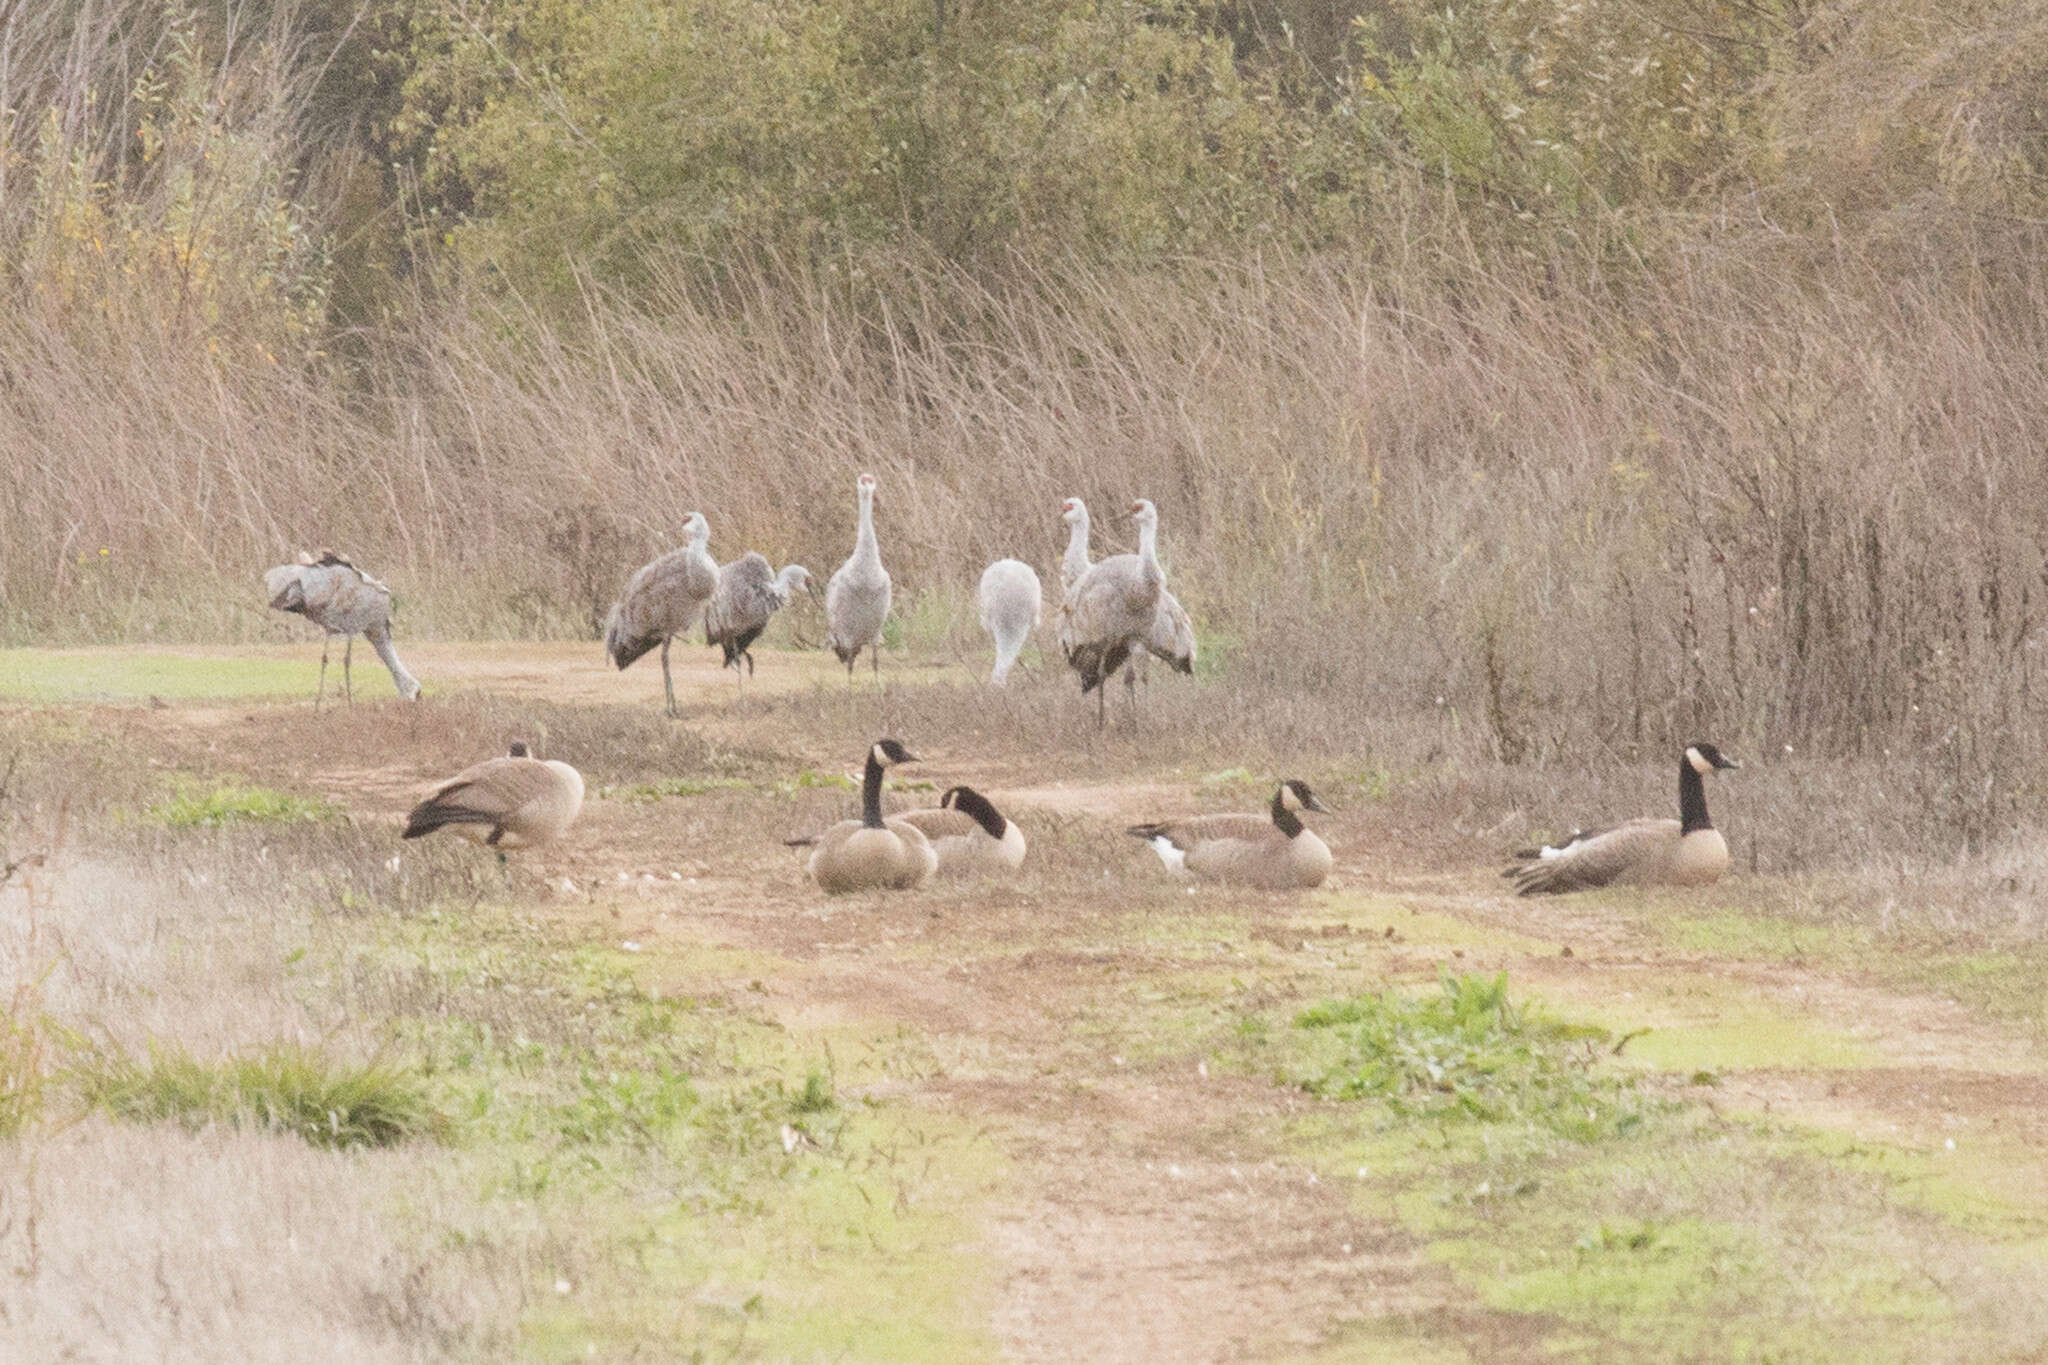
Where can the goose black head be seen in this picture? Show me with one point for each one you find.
(1705, 757)
(976, 807)
(888, 753)
(519, 749)
(1295, 795)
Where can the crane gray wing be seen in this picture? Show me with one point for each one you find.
(1172, 637)
(744, 600)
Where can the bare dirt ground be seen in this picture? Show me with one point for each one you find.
(1152, 1215)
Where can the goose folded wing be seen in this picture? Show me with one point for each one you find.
(1599, 859)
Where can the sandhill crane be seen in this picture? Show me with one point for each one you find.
(1687, 851)
(664, 599)
(1011, 603)
(857, 597)
(342, 600)
(1172, 636)
(513, 802)
(749, 592)
(1112, 608)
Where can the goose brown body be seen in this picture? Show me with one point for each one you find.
(970, 837)
(1275, 850)
(1648, 851)
(871, 853)
(512, 802)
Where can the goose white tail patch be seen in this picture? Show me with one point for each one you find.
(1175, 860)
(1547, 853)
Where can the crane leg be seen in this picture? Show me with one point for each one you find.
(1101, 711)
(1131, 689)
(348, 678)
(668, 685)
(326, 641)
(875, 660)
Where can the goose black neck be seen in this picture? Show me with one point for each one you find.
(976, 806)
(1692, 798)
(1285, 820)
(871, 793)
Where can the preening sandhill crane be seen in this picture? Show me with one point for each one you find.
(664, 599)
(1172, 636)
(342, 600)
(512, 802)
(1648, 851)
(1011, 603)
(749, 592)
(1112, 607)
(857, 597)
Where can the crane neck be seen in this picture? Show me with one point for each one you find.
(1692, 799)
(1148, 541)
(864, 545)
(1076, 562)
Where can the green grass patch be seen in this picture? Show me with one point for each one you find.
(1464, 1053)
(285, 1087)
(670, 787)
(128, 673)
(196, 806)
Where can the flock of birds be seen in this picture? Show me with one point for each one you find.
(1113, 613)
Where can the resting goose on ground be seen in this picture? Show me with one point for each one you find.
(512, 802)
(873, 854)
(969, 835)
(1275, 851)
(1649, 851)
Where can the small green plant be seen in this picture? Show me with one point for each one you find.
(193, 806)
(809, 779)
(286, 1087)
(816, 1097)
(24, 1057)
(670, 786)
(1465, 1054)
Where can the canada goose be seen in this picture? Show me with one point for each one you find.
(513, 802)
(342, 600)
(1275, 851)
(857, 595)
(662, 600)
(873, 854)
(1112, 607)
(1172, 636)
(748, 593)
(1011, 603)
(969, 834)
(1687, 851)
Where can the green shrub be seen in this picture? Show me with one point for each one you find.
(1465, 1054)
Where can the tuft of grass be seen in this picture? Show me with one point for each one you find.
(285, 1087)
(1465, 1054)
(24, 1057)
(195, 807)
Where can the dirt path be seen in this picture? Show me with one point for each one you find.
(1153, 1216)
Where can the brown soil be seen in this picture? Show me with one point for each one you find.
(1152, 1214)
